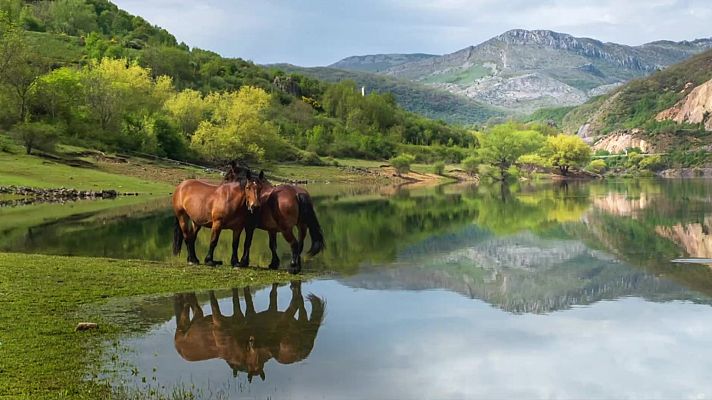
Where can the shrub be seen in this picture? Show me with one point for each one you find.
(652, 163)
(470, 164)
(597, 166)
(36, 135)
(439, 168)
(310, 158)
(402, 163)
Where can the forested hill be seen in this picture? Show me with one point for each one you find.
(86, 72)
(415, 97)
(523, 70)
(670, 110)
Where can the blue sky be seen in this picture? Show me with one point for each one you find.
(320, 32)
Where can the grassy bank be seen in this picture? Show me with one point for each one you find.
(44, 297)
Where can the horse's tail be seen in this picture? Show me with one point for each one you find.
(177, 238)
(308, 216)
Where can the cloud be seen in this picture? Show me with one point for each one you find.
(319, 32)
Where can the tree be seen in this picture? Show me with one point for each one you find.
(72, 17)
(470, 165)
(238, 128)
(502, 145)
(566, 151)
(59, 93)
(36, 135)
(402, 163)
(188, 109)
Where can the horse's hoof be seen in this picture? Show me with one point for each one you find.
(213, 263)
(244, 263)
(193, 262)
(274, 265)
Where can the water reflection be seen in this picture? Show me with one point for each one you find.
(247, 341)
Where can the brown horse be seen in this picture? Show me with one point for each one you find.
(247, 341)
(199, 204)
(282, 208)
(194, 336)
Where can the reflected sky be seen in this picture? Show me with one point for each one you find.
(437, 344)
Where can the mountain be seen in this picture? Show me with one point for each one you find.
(667, 110)
(378, 62)
(413, 96)
(523, 70)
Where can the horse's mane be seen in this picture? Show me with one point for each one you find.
(238, 172)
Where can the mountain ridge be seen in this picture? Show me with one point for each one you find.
(523, 70)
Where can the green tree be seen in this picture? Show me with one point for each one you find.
(188, 108)
(566, 151)
(36, 135)
(238, 128)
(470, 165)
(402, 163)
(72, 17)
(502, 145)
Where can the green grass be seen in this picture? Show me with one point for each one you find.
(44, 297)
(23, 170)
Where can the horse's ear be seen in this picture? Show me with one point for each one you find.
(262, 175)
(262, 375)
(248, 174)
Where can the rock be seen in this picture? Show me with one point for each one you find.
(86, 326)
(695, 108)
(618, 142)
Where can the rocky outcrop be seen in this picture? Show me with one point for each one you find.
(618, 142)
(695, 108)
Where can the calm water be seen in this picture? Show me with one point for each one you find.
(544, 291)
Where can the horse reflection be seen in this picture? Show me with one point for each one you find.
(247, 341)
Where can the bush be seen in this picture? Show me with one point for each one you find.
(36, 135)
(309, 158)
(652, 163)
(439, 168)
(470, 164)
(402, 163)
(597, 166)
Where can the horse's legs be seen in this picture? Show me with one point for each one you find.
(249, 231)
(249, 306)
(273, 298)
(236, 310)
(190, 234)
(235, 245)
(274, 264)
(302, 235)
(214, 237)
(296, 265)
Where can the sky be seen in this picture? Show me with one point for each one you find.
(321, 32)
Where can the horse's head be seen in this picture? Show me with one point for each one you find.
(253, 188)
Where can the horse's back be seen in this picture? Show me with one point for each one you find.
(198, 343)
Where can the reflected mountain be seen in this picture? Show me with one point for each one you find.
(247, 341)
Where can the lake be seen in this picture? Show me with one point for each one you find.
(535, 291)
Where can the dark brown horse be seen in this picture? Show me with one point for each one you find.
(281, 209)
(199, 204)
(247, 341)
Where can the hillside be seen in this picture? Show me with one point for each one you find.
(668, 108)
(413, 96)
(378, 62)
(524, 70)
(86, 73)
